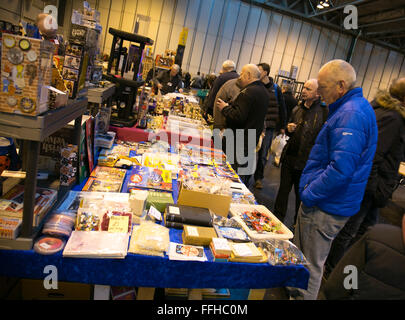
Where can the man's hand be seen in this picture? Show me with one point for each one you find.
(221, 104)
(160, 86)
(291, 127)
(180, 90)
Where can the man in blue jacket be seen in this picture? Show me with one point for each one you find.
(334, 179)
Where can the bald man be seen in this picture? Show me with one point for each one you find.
(335, 176)
(246, 115)
(307, 120)
(389, 107)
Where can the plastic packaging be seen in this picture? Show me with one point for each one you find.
(282, 252)
(150, 236)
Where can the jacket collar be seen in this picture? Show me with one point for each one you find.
(356, 92)
(254, 83)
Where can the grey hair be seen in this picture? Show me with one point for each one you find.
(341, 70)
(228, 65)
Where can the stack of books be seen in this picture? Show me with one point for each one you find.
(176, 216)
(221, 249)
(247, 252)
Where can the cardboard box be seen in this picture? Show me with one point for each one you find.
(34, 290)
(218, 203)
(198, 236)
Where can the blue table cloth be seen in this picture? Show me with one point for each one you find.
(149, 271)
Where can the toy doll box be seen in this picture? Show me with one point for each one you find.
(237, 211)
(26, 72)
(148, 178)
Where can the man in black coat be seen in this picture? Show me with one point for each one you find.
(246, 113)
(227, 72)
(169, 80)
(290, 101)
(389, 109)
(306, 121)
(275, 120)
(373, 268)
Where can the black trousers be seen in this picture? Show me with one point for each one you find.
(289, 177)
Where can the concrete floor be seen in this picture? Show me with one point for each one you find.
(391, 214)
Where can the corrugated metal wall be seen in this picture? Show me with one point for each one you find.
(230, 29)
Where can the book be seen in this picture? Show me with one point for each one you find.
(175, 225)
(247, 252)
(178, 251)
(12, 203)
(188, 215)
(108, 173)
(221, 246)
(148, 178)
(94, 184)
(9, 228)
(101, 244)
(219, 257)
(199, 236)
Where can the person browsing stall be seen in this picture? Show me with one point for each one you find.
(334, 179)
(169, 80)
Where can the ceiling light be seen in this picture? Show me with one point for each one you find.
(320, 6)
(326, 4)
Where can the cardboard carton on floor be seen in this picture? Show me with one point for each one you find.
(33, 289)
(218, 203)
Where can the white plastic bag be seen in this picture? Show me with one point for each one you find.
(277, 147)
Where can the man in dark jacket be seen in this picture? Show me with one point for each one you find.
(306, 122)
(169, 80)
(275, 120)
(335, 176)
(227, 72)
(246, 113)
(389, 108)
(373, 268)
(290, 101)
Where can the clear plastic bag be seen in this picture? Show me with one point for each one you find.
(282, 252)
(277, 146)
(150, 236)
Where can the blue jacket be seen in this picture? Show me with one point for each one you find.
(336, 173)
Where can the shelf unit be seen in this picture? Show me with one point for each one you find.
(297, 86)
(33, 130)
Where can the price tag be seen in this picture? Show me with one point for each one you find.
(118, 224)
(192, 231)
(153, 212)
(174, 210)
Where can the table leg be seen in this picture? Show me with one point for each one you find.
(256, 294)
(145, 293)
(31, 152)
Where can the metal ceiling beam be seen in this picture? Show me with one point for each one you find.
(379, 33)
(339, 7)
(316, 21)
(377, 23)
(401, 35)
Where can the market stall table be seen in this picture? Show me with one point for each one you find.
(136, 135)
(148, 272)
